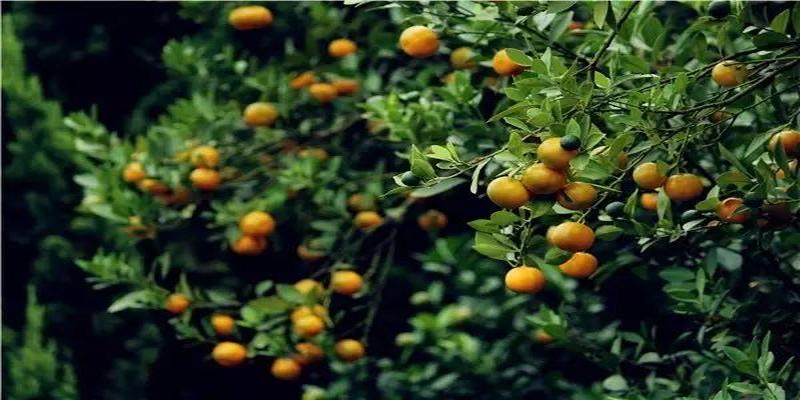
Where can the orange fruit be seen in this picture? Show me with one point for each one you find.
(346, 283)
(345, 86)
(342, 47)
(323, 92)
(205, 156)
(360, 202)
(729, 73)
(507, 192)
(572, 236)
(306, 286)
(314, 152)
(542, 337)
(229, 354)
(503, 65)
(260, 114)
(575, 25)
(462, 58)
(223, 324)
(524, 279)
(249, 245)
(308, 353)
(152, 186)
(179, 196)
(577, 196)
(419, 41)
(432, 219)
(366, 220)
(286, 369)
(310, 255)
(133, 172)
(540, 179)
(580, 265)
(303, 80)
(177, 303)
(647, 176)
(349, 350)
(250, 17)
(309, 326)
(205, 179)
(304, 311)
(727, 208)
(683, 187)
(790, 140)
(257, 223)
(551, 154)
(649, 201)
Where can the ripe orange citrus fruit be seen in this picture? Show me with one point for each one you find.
(507, 192)
(205, 156)
(342, 47)
(257, 223)
(152, 186)
(503, 65)
(649, 201)
(286, 369)
(729, 73)
(250, 17)
(306, 286)
(249, 245)
(366, 220)
(308, 254)
(540, 179)
(577, 196)
(229, 354)
(580, 265)
(308, 353)
(572, 236)
(349, 350)
(542, 337)
(432, 219)
(304, 311)
(309, 326)
(323, 92)
(345, 86)
(647, 176)
(205, 179)
(790, 140)
(346, 283)
(303, 80)
(462, 58)
(360, 202)
(177, 303)
(551, 154)
(727, 211)
(133, 172)
(223, 324)
(524, 279)
(683, 187)
(419, 41)
(260, 114)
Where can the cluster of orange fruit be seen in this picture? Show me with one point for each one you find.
(255, 227)
(308, 322)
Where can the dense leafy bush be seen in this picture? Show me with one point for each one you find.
(580, 200)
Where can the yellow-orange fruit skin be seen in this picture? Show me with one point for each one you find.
(223, 324)
(551, 154)
(177, 303)
(249, 245)
(250, 17)
(323, 92)
(346, 283)
(349, 350)
(647, 176)
(419, 41)
(572, 236)
(260, 114)
(229, 354)
(366, 220)
(649, 201)
(257, 223)
(503, 65)
(727, 208)
(133, 172)
(342, 48)
(577, 196)
(525, 279)
(308, 353)
(790, 140)
(507, 192)
(729, 74)
(286, 369)
(580, 265)
(683, 187)
(540, 179)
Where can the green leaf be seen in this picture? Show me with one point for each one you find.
(440, 187)
(290, 294)
(519, 57)
(601, 80)
(420, 166)
(599, 12)
(733, 160)
(608, 232)
(780, 22)
(615, 383)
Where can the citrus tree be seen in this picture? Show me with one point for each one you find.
(628, 171)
